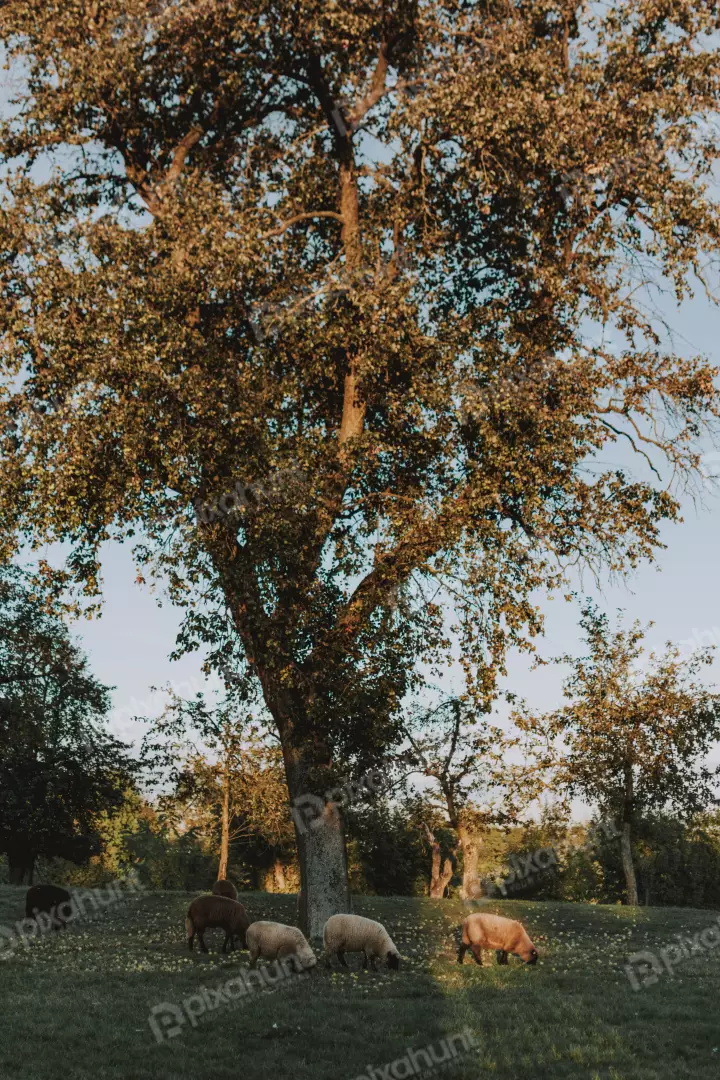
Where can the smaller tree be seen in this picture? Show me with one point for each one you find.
(633, 738)
(465, 757)
(230, 785)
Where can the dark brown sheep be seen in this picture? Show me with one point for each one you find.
(207, 912)
(223, 887)
(50, 900)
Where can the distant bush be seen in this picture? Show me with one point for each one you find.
(167, 861)
(678, 863)
(387, 853)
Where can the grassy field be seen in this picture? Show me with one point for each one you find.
(78, 1003)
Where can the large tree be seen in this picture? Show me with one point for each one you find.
(634, 737)
(317, 301)
(59, 768)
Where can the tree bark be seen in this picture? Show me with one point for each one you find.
(626, 839)
(628, 865)
(470, 846)
(319, 831)
(225, 823)
(324, 889)
(279, 876)
(439, 878)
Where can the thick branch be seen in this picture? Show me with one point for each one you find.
(302, 217)
(181, 152)
(376, 90)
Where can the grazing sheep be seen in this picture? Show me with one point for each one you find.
(223, 887)
(275, 941)
(484, 931)
(216, 911)
(352, 933)
(49, 899)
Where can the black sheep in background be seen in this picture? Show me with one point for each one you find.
(50, 900)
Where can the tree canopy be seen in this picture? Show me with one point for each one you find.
(59, 768)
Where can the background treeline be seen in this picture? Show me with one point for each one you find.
(452, 808)
(678, 863)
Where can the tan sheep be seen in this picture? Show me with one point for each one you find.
(206, 912)
(484, 931)
(275, 941)
(353, 933)
(223, 887)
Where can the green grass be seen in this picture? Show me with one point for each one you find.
(76, 1003)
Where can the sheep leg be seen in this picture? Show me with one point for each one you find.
(341, 957)
(254, 953)
(461, 952)
(477, 955)
(228, 940)
(190, 941)
(501, 956)
(201, 941)
(369, 961)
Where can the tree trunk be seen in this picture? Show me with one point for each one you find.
(324, 889)
(439, 878)
(319, 831)
(319, 834)
(279, 876)
(274, 878)
(628, 866)
(288, 692)
(225, 826)
(626, 838)
(470, 845)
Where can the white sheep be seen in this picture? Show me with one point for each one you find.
(353, 933)
(275, 941)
